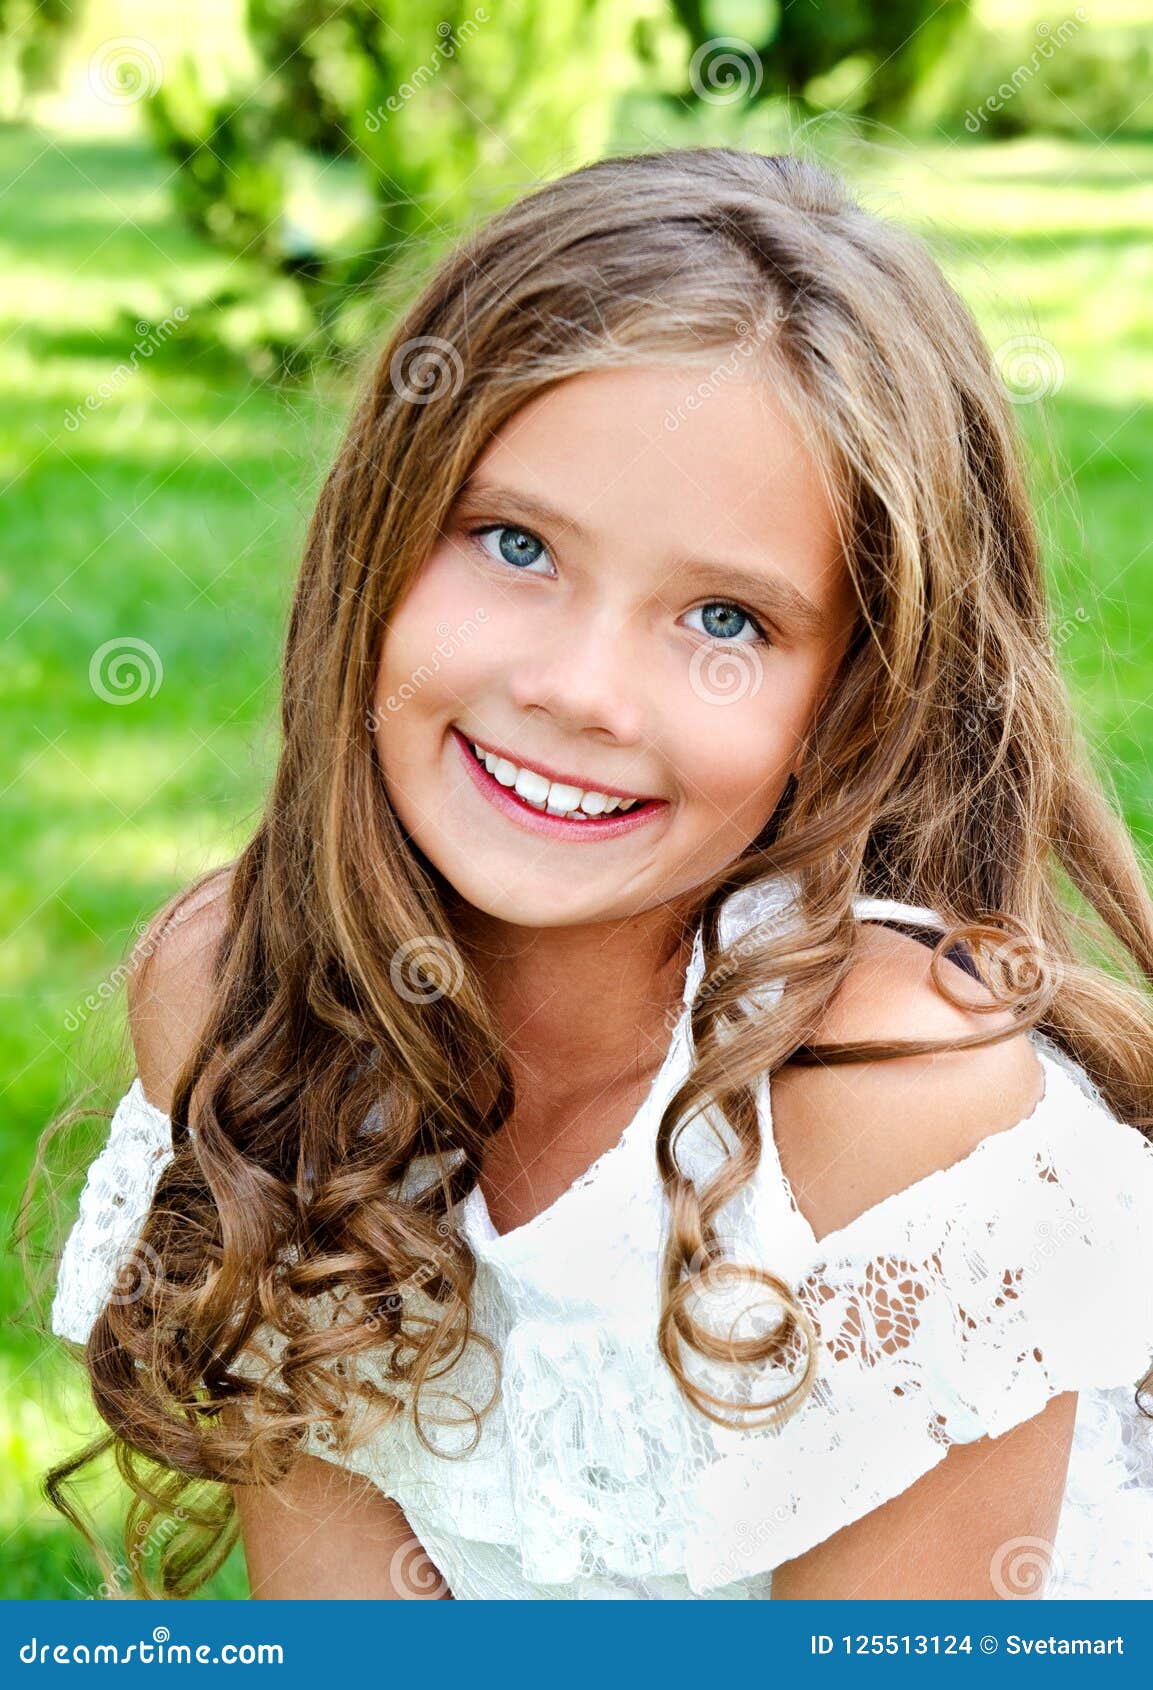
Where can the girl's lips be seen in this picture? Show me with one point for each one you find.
(540, 821)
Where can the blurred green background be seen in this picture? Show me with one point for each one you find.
(209, 215)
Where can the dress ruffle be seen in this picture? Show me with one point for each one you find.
(952, 1311)
(113, 1205)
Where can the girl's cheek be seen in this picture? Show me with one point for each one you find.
(434, 593)
(738, 740)
(435, 623)
(452, 603)
(735, 772)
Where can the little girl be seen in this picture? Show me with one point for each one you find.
(641, 1118)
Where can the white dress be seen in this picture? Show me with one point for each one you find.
(952, 1310)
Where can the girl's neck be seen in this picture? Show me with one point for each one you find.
(586, 1005)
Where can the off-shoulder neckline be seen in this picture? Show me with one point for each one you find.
(1060, 1085)
(763, 899)
(760, 901)
(1057, 1083)
(476, 1220)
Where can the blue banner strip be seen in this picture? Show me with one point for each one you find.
(557, 1644)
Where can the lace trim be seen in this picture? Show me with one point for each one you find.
(113, 1205)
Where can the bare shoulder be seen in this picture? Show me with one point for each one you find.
(170, 982)
(327, 1532)
(850, 1135)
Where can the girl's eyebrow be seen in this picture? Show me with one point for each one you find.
(475, 494)
(775, 593)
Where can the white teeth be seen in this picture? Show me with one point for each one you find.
(530, 785)
(594, 803)
(562, 800)
(554, 797)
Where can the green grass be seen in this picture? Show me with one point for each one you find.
(1047, 239)
(174, 514)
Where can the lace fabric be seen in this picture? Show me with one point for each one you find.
(113, 1206)
(950, 1311)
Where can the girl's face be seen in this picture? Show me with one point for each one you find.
(640, 591)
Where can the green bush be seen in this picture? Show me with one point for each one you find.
(866, 55)
(1065, 78)
(369, 127)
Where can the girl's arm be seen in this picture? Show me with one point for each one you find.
(978, 1526)
(327, 1532)
(849, 1137)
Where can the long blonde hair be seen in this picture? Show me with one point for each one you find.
(945, 771)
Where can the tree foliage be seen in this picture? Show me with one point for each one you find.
(369, 127)
(32, 37)
(885, 46)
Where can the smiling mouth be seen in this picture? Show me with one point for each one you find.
(559, 804)
(553, 797)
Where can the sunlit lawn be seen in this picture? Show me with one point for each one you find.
(173, 514)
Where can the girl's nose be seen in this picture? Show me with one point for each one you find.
(587, 677)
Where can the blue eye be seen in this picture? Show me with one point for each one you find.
(516, 545)
(727, 619)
